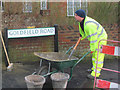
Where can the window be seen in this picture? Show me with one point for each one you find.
(43, 4)
(44, 11)
(27, 6)
(2, 6)
(73, 5)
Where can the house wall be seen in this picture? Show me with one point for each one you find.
(22, 49)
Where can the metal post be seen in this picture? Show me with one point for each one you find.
(40, 62)
(56, 38)
(49, 67)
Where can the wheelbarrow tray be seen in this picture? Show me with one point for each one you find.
(58, 60)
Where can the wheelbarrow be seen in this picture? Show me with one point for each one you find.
(57, 60)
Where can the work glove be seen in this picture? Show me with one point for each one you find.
(80, 35)
(91, 51)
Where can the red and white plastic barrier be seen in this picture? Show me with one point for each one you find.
(107, 85)
(111, 50)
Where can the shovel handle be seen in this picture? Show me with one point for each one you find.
(4, 48)
(75, 47)
(77, 43)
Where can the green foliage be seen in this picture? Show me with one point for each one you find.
(104, 12)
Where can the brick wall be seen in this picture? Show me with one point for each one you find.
(68, 36)
(22, 49)
(112, 31)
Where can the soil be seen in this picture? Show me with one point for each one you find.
(16, 78)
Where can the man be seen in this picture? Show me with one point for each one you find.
(94, 32)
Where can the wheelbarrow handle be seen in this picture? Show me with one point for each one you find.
(81, 58)
(71, 70)
(70, 49)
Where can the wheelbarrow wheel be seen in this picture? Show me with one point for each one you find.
(43, 70)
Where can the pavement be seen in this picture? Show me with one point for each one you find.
(15, 79)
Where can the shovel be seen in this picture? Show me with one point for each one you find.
(74, 47)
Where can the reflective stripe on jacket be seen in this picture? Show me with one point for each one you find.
(93, 31)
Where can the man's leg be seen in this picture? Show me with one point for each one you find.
(100, 63)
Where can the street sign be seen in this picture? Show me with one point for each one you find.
(31, 32)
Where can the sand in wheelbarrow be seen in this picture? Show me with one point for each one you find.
(54, 56)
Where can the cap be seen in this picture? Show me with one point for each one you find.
(81, 13)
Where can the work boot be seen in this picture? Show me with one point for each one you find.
(89, 76)
(89, 70)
